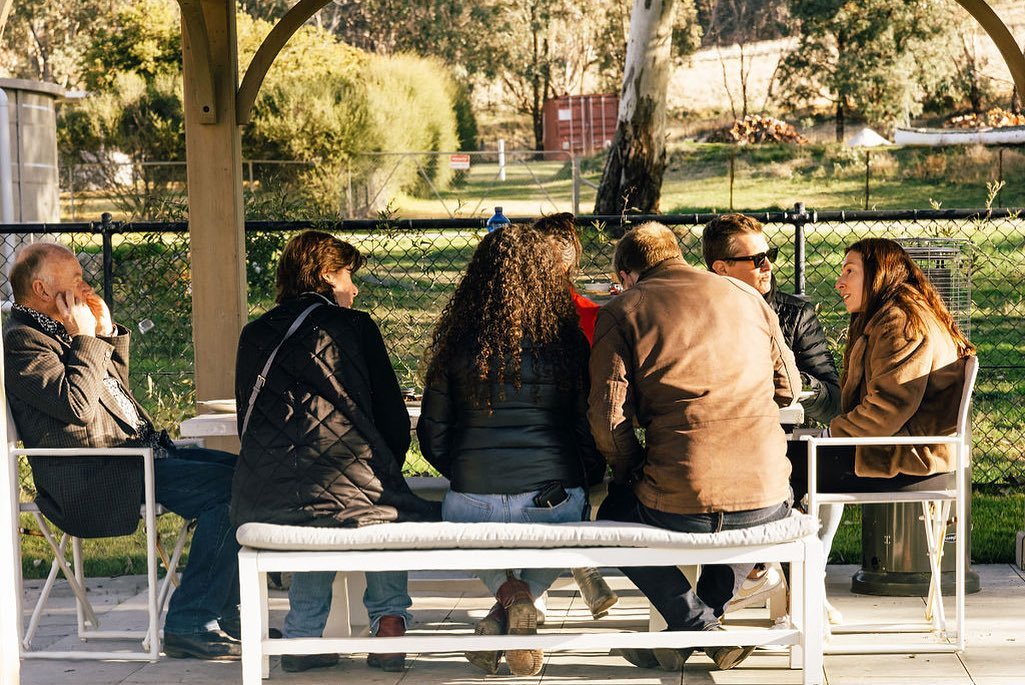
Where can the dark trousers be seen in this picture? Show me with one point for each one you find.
(668, 590)
(195, 483)
(836, 473)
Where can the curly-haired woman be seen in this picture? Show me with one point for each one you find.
(504, 413)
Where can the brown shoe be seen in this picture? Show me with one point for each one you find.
(389, 626)
(492, 624)
(596, 593)
(521, 619)
(727, 657)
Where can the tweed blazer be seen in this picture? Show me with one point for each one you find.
(58, 399)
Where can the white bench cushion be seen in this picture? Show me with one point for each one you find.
(447, 535)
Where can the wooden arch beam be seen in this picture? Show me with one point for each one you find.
(268, 52)
(1003, 38)
(5, 10)
(194, 23)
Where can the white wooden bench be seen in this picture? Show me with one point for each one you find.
(459, 546)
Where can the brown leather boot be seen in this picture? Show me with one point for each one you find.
(492, 624)
(521, 617)
(389, 626)
(595, 592)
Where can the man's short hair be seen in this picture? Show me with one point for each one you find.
(717, 237)
(645, 246)
(27, 265)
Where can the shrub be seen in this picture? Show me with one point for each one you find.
(411, 101)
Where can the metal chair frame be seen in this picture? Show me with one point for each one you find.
(936, 507)
(88, 622)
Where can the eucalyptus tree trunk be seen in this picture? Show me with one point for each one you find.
(632, 179)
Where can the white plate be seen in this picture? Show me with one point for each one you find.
(220, 406)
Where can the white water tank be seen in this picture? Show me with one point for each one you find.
(35, 181)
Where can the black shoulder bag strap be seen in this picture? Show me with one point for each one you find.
(261, 378)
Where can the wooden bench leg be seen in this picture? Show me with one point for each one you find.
(253, 595)
(347, 617)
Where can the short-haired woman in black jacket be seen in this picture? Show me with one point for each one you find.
(504, 413)
(327, 435)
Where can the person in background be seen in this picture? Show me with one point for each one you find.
(903, 375)
(504, 414)
(699, 363)
(735, 245)
(66, 364)
(327, 434)
(562, 231)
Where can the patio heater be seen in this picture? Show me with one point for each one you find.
(894, 553)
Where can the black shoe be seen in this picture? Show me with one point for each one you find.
(670, 659)
(297, 663)
(233, 627)
(214, 645)
(638, 656)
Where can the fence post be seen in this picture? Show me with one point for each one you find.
(106, 232)
(501, 160)
(799, 218)
(576, 184)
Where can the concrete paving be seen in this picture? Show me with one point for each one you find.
(995, 653)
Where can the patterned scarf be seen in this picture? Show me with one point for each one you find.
(51, 327)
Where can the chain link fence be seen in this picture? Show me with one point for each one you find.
(414, 265)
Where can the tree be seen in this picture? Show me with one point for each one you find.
(869, 56)
(741, 22)
(632, 178)
(46, 40)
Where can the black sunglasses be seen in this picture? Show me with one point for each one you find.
(757, 259)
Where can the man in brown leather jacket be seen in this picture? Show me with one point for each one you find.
(699, 363)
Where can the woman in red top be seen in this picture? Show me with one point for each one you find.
(562, 231)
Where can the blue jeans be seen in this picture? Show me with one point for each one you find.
(309, 599)
(668, 589)
(195, 483)
(464, 507)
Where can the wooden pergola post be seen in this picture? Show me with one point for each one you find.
(216, 216)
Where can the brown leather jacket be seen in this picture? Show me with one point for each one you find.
(699, 362)
(899, 384)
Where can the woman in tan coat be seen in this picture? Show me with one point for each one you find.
(903, 369)
(903, 374)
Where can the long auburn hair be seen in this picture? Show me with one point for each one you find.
(513, 299)
(893, 278)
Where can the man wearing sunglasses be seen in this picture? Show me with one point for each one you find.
(734, 245)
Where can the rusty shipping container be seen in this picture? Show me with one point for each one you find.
(580, 124)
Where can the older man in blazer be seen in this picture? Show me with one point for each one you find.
(66, 366)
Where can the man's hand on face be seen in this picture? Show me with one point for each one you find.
(104, 324)
(76, 314)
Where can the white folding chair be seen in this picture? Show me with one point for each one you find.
(936, 505)
(88, 623)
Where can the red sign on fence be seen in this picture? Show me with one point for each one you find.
(459, 161)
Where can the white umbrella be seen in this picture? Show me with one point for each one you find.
(866, 137)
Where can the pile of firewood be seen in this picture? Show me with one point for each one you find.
(757, 129)
(994, 118)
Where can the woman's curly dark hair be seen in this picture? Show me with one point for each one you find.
(514, 298)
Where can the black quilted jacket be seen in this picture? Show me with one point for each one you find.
(803, 333)
(329, 431)
(533, 435)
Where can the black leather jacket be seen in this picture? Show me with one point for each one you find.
(803, 333)
(535, 434)
(329, 431)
